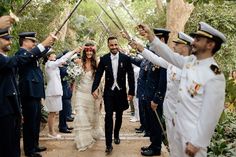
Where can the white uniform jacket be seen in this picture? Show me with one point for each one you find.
(202, 94)
(54, 87)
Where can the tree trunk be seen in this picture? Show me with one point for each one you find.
(56, 23)
(178, 13)
(159, 5)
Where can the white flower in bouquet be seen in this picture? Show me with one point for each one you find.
(74, 71)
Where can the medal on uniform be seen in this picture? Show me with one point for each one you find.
(121, 65)
(174, 76)
(153, 68)
(173, 122)
(187, 66)
(194, 89)
(145, 68)
(37, 62)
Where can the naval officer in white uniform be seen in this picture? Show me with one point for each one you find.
(201, 89)
(183, 47)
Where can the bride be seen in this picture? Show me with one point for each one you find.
(86, 123)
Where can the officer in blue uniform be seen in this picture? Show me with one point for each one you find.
(31, 86)
(153, 97)
(66, 100)
(142, 63)
(10, 112)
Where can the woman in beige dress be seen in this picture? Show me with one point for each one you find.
(86, 124)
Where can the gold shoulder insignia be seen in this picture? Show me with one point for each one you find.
(215, 69)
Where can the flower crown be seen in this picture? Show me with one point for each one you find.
(89, 48)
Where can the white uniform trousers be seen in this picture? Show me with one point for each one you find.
(136, 109)
(170, 130)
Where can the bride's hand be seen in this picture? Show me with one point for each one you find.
(130, 97)
(95, 94)
(78, 50)
(78, 61)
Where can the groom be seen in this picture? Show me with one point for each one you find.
(116, 65)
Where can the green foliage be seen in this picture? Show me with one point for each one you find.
(148, 13)
(204, 1)
(223, 143)
(35, 17)
(222, 17)
(6, 5)
(230, 91)
(83, 23)
(86, 24)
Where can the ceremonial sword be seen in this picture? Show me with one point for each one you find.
(159, 120)
(109, 16)
(90, 31)
(127, 10)
(123, 28)
(14, 16)
(23, 7)
(68, 17)
(104, 25)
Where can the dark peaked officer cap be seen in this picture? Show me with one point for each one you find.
(161, 32)
(28, 35)
(4, 33)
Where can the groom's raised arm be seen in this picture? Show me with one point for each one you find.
(98, 74)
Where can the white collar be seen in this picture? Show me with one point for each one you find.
(115, 56)
(5, 55)
(206, 60)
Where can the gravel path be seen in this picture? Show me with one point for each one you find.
(129, 146)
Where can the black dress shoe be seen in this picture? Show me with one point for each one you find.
(70, 128)
(108, 149)
(69, 119)
(33, 155)
(146, 134)
(150, 152)
(40, 149)
(65, 131)
(145, 148)
(117, 140)
(139, 131)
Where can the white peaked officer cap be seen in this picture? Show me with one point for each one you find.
(208, 31)
(183, 39)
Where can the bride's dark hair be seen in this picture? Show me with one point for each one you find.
(92, 47)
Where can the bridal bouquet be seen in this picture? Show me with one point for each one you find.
(74, 71)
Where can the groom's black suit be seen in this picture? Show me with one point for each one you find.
(114, 100)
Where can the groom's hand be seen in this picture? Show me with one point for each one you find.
(130, 97)
(95, 94)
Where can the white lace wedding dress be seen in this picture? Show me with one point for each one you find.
(87, 126)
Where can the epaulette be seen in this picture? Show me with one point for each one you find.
(215, 69)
